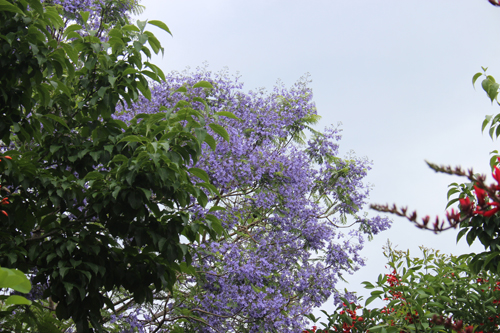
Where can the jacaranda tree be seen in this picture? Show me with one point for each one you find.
(91, 205)
(293, 212)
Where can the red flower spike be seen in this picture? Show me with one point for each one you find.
(496, 174)
(491, 212)
(4, 212)
(481, 196)
(466, 205)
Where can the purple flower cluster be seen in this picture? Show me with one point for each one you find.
(286, 206)
(100, 11)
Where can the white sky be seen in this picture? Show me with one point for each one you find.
(396, 73)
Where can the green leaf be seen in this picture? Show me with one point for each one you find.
(7, 6)
(210, 141)
(133, 138)
(475, 77)
(203, 84)
(71, 28)
(200, 174)
(490, 87)
(491, 257)
(368, 285)
(461, 234)
(135, 200)
(14, 279)
(451, 192)
(85, 16)
(219, 130)
(437, 304)
(57, 119)
(143, 88)
(17, 300)
(160, 25)
(93, 175)
(216, 208)
(155, 69)
(371, 299)
(215, 223)
(422, 293)
(141, 24)
(227, 114)
(154, 42)
(471, 236)
(485, 122)
(130, 70)
(451, 202)
(202, 199)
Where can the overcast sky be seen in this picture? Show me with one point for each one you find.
(397, 74)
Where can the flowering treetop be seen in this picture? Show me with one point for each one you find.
(287, 202)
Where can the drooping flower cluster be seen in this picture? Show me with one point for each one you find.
(100, 12)
(285, 207)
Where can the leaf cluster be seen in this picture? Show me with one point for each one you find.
(95, 204)
(422, 295)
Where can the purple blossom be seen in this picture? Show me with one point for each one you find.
(287, 205)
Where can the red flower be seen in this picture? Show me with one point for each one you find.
(490, 212)
(466, 205)
(4, 212)
(7, 157)
(496, 174)
(481, 196)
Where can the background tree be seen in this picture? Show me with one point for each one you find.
(94, 204)
(433, 293)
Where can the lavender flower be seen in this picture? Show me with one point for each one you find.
(286, 205)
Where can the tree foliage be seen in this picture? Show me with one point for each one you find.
(94, 204)
(107, 173)
(434, 293)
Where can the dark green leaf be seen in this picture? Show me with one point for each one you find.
(219, 130)
(57, 119)
(200, 174)
(7, 6)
